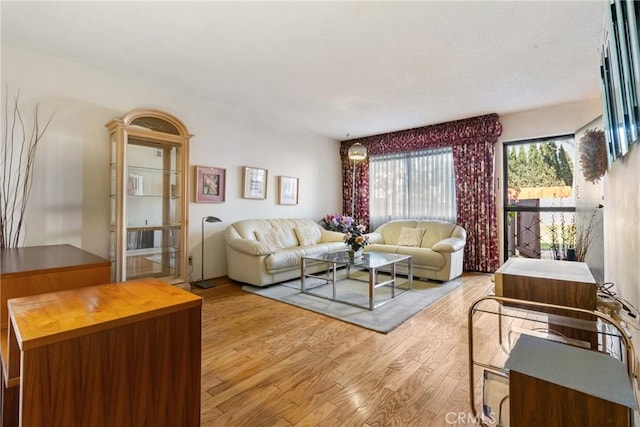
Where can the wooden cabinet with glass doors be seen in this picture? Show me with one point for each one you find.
(149, 206)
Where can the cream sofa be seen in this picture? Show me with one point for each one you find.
(436, 247)
(265, 251)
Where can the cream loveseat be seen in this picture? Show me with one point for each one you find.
(436, 247)
(265, 251)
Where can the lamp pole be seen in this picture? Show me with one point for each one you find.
(353, 190)
(204, 284)
(357, 153)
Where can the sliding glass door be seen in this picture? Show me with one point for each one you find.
(540, 197)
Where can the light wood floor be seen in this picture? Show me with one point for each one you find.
(265, 363)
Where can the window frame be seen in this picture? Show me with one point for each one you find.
(506, 145)
(407, 157)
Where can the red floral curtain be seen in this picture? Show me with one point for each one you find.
(473, 143)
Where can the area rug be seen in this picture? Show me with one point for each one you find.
(383, 319)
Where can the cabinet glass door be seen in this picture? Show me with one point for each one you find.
(153, 210)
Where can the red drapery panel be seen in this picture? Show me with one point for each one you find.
(473, 143)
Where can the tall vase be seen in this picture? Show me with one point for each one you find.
(355, 255)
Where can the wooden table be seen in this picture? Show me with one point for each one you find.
(36, 270)
(109, 355)
(371, 261)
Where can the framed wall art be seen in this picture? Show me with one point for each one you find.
(288, 190)
(254, 183)
(210, 184)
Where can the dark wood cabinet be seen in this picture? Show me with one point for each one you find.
(35, 270)
(553, 384)
(564, 283)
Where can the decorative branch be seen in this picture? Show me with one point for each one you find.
(585, 235)
(18, 156)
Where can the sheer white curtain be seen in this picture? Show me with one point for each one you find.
(416, 185)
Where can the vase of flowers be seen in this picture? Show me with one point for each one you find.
(337, 222)
(356, 240)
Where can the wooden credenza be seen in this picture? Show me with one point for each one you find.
(564, 283)
(35, 270)
(119, 354)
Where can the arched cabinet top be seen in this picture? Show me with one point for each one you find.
(153, 120)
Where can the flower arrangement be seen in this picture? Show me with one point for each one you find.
(337, 222)
(355, 238)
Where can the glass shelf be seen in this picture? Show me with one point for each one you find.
(112, 227)
(154, 227)
(133, 196)
(151, 170)
(153, 196)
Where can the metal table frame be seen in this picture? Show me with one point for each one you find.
(371, 261)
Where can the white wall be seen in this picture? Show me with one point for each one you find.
(549, 121)
(622, 226)
(590, 196)
(70, 198)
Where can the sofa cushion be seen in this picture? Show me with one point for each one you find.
(269, 237)
(246, 229)
(284, 258)
(381, 247)
(391, 230)
(423, 257)
(331, 236)
(410, 236)
(307, 235)
(314, 250)
(286, 226)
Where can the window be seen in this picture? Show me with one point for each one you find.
(419, 184)
(539, 213)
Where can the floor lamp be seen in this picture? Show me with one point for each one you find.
(204, 284)
(357, 153)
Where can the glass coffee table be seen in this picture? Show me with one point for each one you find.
(370, 261)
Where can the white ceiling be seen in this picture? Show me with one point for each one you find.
(334, 68)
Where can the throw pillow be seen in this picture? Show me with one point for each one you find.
(307, 235)
(270, 238)
(410, 236)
